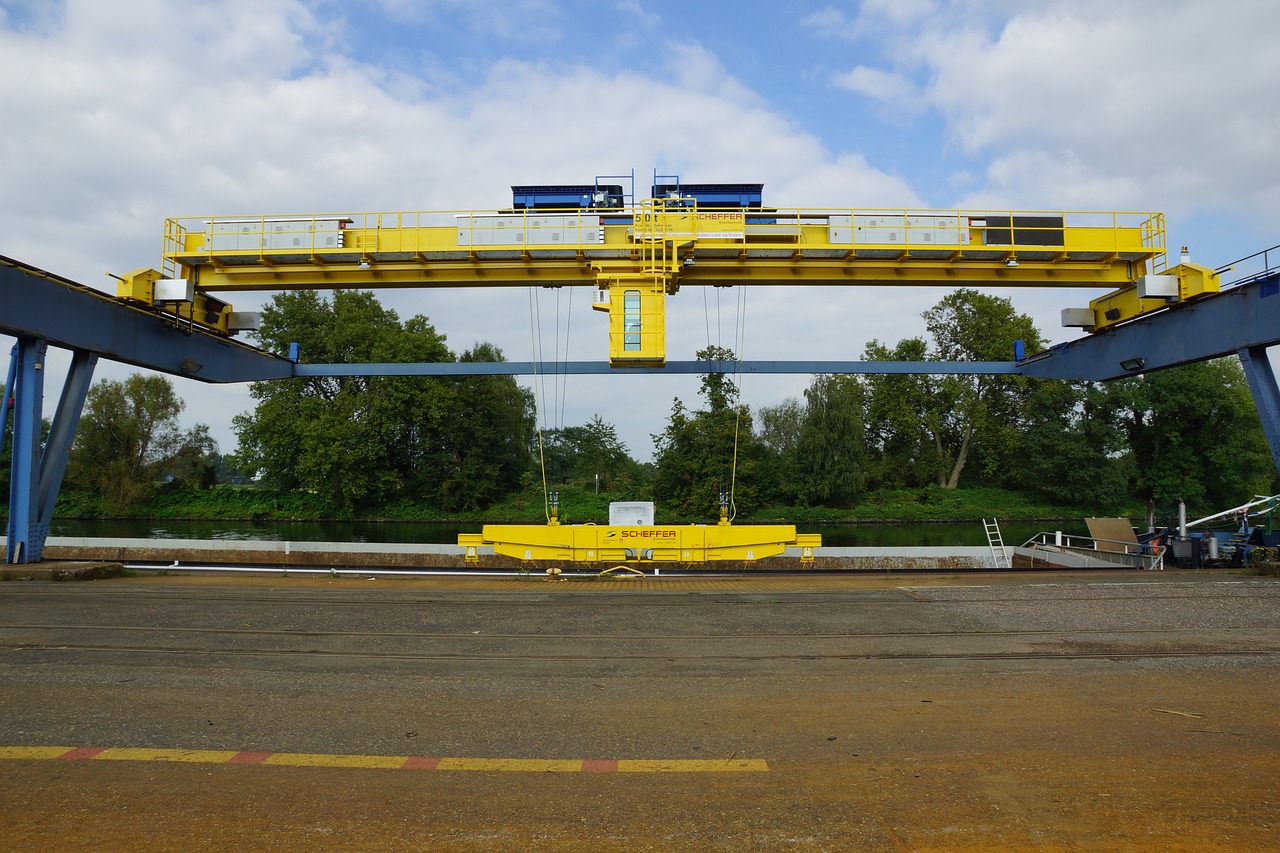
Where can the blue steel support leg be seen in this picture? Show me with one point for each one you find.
(57, 447)
(1266, 394)
(26, 539)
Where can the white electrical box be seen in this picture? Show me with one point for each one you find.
(631, 514)
(1077, 318)
(244, 321)
(175, 290)
(1158, 287)
(516, 230)
(287, 233)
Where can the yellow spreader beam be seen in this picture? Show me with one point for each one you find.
(663, 543)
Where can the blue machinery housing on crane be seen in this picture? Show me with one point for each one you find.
(634, 255)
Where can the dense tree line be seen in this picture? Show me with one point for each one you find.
(364, 441)
(130, 444)
(1191, 433)
(460, 443)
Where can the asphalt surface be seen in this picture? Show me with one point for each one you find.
(1122, 711)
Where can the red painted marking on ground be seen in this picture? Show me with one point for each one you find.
(420, 763)
(249, 758)
(82, 752)
(600, 765)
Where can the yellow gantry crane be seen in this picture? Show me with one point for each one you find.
(635, 255)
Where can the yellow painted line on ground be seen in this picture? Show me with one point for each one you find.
(368, 762)
(384, 762)
(713, 765)
(520, 765)
(33, 752)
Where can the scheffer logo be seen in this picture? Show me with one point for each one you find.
(643, 533)
(648, 533)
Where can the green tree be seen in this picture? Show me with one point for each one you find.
(1074, 450)
(363, 441)
(831, 449)
(778, 430)
(981, 409)
(903, 419)
(129, 438)
(354, 440)
(698, 453)
(1194, 434)
(938, 424)
(587, 456)
(486, 436)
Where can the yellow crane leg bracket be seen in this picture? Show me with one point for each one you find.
(177, 298)
(591, 543)
(1183, 283)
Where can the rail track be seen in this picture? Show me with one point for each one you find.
(632, 598)
(666, 657)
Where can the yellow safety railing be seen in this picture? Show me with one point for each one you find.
(964, 232)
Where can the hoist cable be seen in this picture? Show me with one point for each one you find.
(706, 316)
(534, 341)
(719, 332)
(564, 386)
(559, 374)
(737, 421)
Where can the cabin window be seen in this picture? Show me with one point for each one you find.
(631, 321)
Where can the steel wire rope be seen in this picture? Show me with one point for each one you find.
(568, 328)
(740, 320)
(559, 374)
(535, 341)
(719, 330)
(706, 316)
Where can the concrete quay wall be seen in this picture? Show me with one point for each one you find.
(429, 556)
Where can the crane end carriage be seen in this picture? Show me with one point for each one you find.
(1186, 282)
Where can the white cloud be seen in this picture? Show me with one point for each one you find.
(128, 113)
(897, 90)
(827, 20)
(250, 108)
(898, 12)
(639, 13)
(1105, 104)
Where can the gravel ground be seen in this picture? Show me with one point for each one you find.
(1126, 712)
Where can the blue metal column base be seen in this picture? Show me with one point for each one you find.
(26, 534)
(1266, 394)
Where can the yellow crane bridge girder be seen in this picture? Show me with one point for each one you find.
(635, 257)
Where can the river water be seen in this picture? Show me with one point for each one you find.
(833, 535)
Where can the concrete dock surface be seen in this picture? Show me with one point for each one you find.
(1047, 711)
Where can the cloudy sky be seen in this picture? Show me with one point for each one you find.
(118, 114)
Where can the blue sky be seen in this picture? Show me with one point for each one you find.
(121, 113)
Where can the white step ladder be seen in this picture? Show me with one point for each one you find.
(999, 557)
